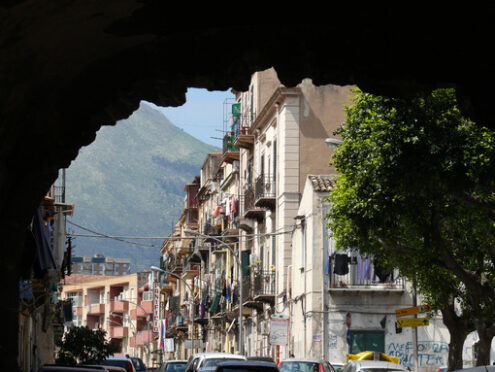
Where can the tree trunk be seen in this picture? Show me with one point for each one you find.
(459, 327)
(483, 346)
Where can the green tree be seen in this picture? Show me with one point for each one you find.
(83, 345)
(416, 189)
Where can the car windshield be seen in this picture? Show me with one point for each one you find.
(300, 367)
(175, 367)
(138, 364)
(214, 361)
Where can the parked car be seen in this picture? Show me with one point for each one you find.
(247, 366)
(338, 367)
(138, 364)
(261, 359)
(105, 368)
(60, 368)
(372, 366)
(173, 366)
(117, 361)
(198, 360)
(305, 365)
(442, 369)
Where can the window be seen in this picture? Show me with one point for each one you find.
(367, 341)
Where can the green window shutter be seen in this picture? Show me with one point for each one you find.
(367, 341)
(215, 302)
(245, 263)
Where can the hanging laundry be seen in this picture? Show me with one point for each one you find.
(45, 258)
(217, 211)
(384, 274)
(363, 268)
(227, 207)
(233, 206)
(341, 266)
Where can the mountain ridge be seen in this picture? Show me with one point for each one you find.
(129, 182)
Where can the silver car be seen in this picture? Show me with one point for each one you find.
(199, 360)
(372, 366)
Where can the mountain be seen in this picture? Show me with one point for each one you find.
(130, 182)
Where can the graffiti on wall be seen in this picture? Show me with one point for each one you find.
(430, 353)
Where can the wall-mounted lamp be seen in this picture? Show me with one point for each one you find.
(333, 142)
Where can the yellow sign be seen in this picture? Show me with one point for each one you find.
(412, 322)
(412, 310)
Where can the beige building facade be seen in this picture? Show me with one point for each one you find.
(120, 305)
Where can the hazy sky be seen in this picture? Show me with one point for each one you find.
(202, 114)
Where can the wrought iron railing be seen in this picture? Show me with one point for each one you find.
(264, 282)
(264, 187)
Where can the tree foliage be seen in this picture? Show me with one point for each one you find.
(416, 189)
(83, 345)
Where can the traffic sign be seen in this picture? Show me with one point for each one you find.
(412, 322)
(412, 310)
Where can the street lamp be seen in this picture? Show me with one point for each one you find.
(239, 267)
(333, 142)
(154, 268)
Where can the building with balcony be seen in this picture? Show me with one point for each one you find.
(341, 302)
(100, 264)
(121, 305)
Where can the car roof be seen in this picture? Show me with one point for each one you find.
(249, 363)
(377, 364)
(303, 360)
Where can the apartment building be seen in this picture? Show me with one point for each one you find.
(100, 264)
(45, 260)
(281, 140)
(121, 305)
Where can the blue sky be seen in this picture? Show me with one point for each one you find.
(202, 114)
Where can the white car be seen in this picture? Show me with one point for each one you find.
(372, 366)
(196, 361)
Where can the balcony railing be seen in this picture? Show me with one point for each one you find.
(118, 332)
(361, 273)
(264, 191)
(264, 285)
(249, 209)
(230, 152)
(96, 309)
(119, 306)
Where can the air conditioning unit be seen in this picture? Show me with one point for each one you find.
(253, 259)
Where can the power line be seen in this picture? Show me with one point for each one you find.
(101, 235)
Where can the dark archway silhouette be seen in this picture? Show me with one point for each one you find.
(66, 68)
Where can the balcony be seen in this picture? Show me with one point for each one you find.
(96, 309)
(244, 139)
(119, 306)
(230, 152)
(250, 210)
(190, 271)
(118, 332)
(264, 192)
(142, 311)
(361, 274)
(184, 247)
(264, 286)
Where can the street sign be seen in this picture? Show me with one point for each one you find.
(412, 322)
(412, 310)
